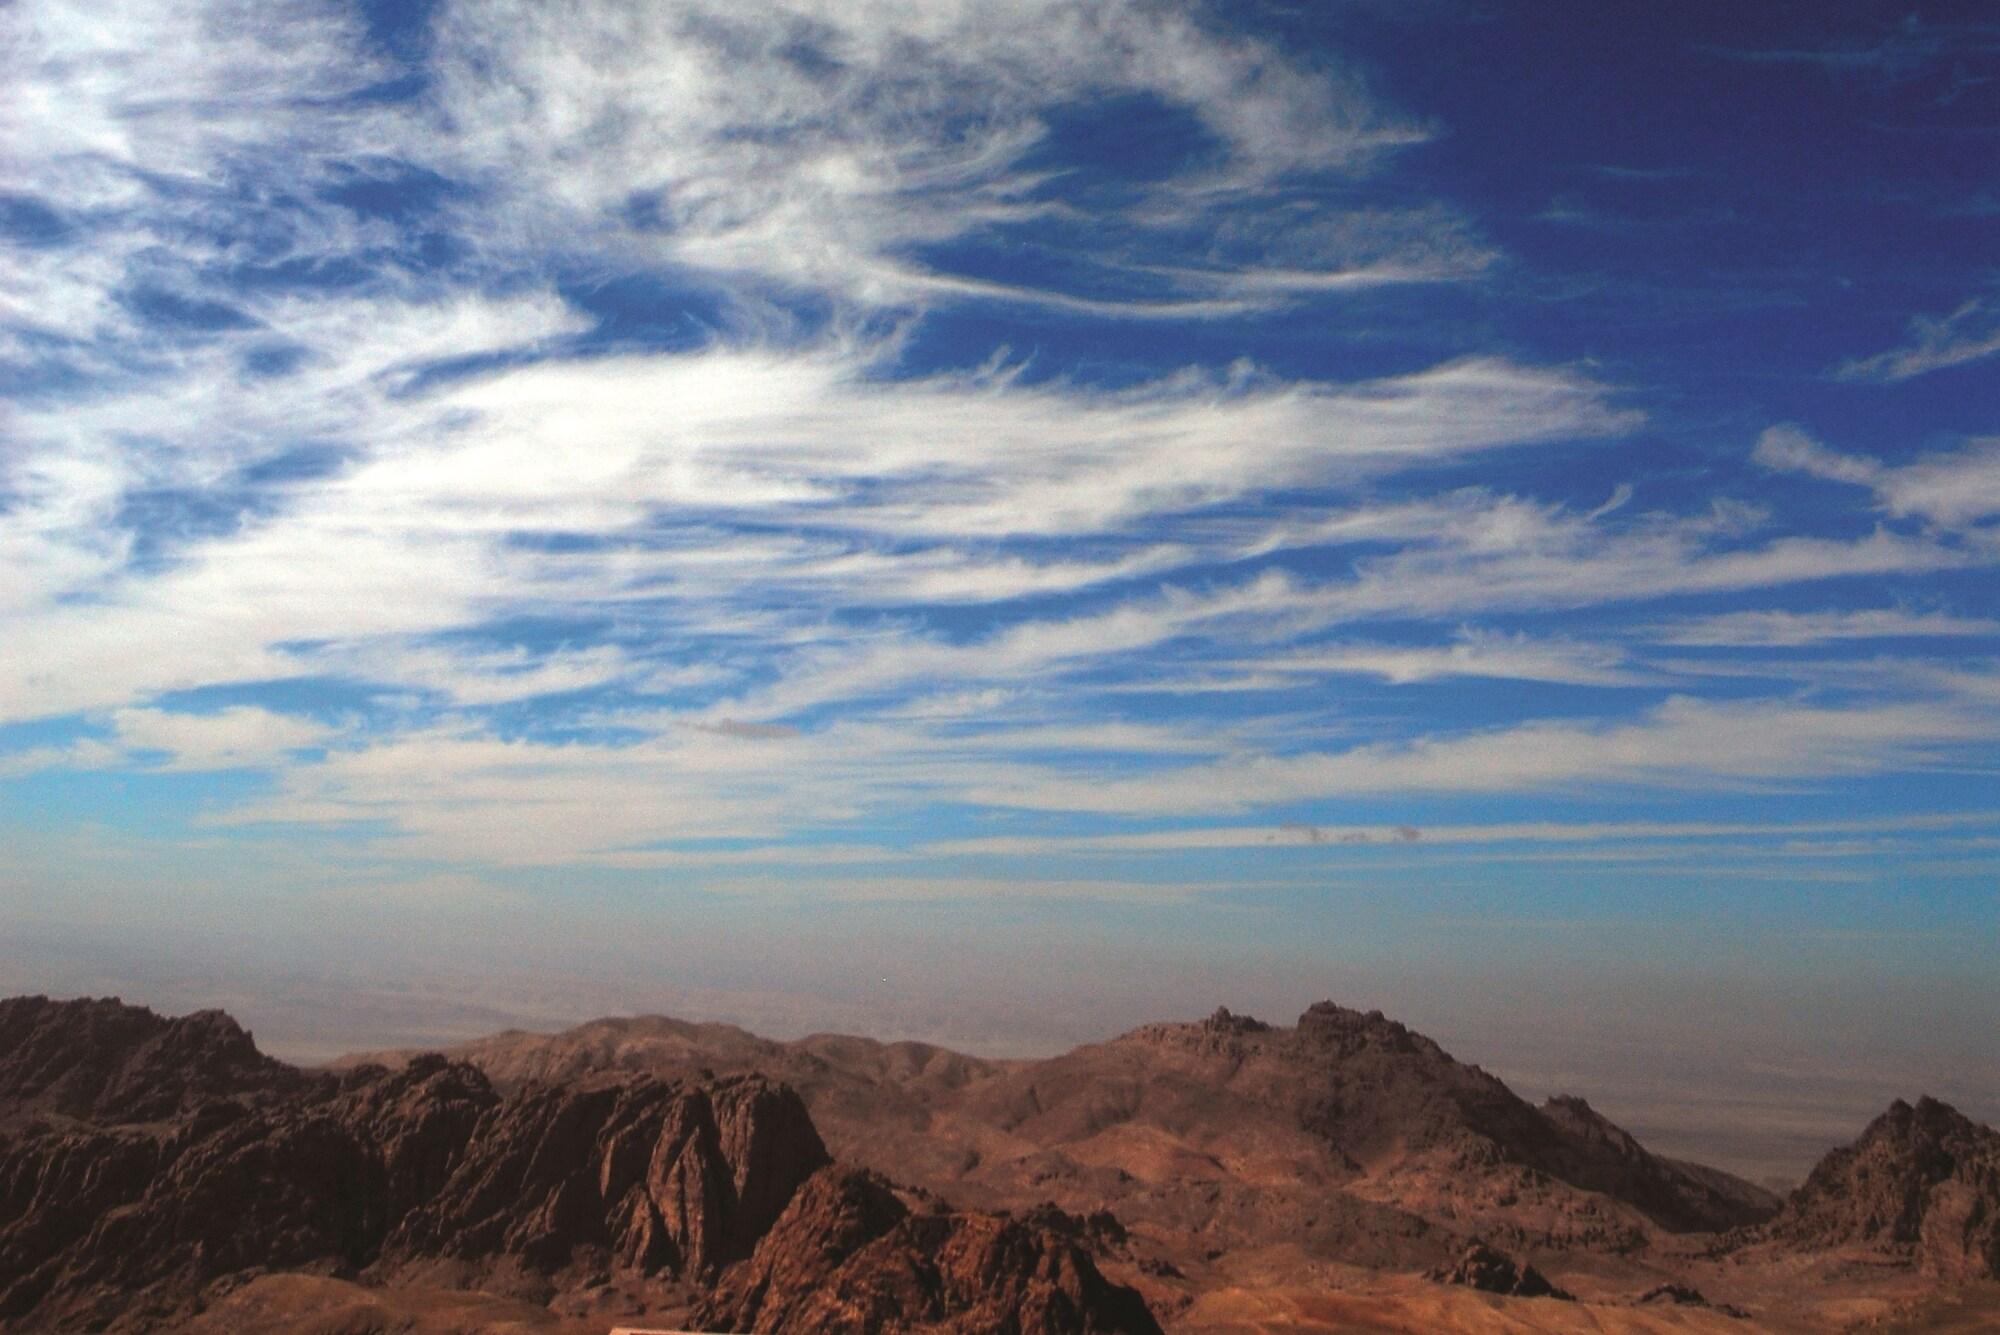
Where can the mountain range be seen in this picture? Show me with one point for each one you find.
(1343, 1172)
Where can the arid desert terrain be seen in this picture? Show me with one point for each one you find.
(1340, 1174)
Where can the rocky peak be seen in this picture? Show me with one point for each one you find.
(1923, 1179)
(666, 1187)
(1223, 1021)
(105, 1061)
(1576, 1117)
(657, 1176)
(1343, 1031)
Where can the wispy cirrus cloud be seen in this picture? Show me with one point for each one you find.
(828, 146)
(1969, 333)
(1956, 486)
(1681, 741)
(1757, 629)
(1472, 654)
(535, 442)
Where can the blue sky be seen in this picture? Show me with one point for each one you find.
(1233, 483)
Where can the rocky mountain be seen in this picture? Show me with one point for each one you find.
(1346, 1134)
(108, 1062)
(150, 1164)
(1223, 1176)
(865, 1095)
(1922, 1182)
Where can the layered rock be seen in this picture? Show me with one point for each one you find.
(131, 1220)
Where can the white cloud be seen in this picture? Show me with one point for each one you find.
(85, 753)
(1332, 836)
(1957, 486)
(237, 737)
(1953, 487)
(803, 584)
(755, 429)
(467, 798)
(1683, 741)
(1474, 654)
(823, 144)
(1787, 449)
(1778, 628)
(130, 121)
(1474, 553)
(1970, 333)
(417, 535)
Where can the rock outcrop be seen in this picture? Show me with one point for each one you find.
(1407, 1123)
(1481, 1267)
(851, 1256)
(1921, 1182)
(638, 1173)
(104, 1061)
(125, 1205)
(1686, 1295)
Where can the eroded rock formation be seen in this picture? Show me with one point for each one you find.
(143, 1160)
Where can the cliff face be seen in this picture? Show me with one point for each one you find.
(1922, 1180)
(658, 1177)
(850, 1255)
(147, 1158)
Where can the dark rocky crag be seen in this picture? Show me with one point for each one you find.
(851, 1254)
(1921, 1183)
(104, 1061)
(142, 1160)
(1481, 1267)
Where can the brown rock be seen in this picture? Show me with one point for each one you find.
(1481, 1267)
(1922, 1182)
(850, 1255)
(1348, 1134)
(645, 1174)
(617, 1184)
(103, 1061)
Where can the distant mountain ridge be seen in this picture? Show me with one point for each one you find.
(1348, 1130)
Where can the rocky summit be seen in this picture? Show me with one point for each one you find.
(150, 1165)
(1921, 1182)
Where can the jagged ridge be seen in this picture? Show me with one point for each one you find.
(122, 1219)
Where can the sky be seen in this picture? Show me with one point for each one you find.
(1002, 519)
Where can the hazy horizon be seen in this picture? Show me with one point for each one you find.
(1722, 1073)
(995, 521)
